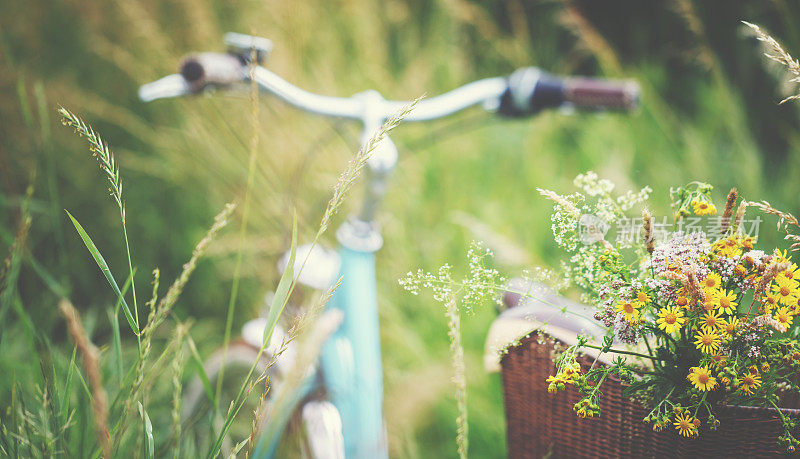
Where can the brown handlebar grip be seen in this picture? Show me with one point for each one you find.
(218, 69)
(588, 93)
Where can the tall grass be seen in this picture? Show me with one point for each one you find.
(20, 435)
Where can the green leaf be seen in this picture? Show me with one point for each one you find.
(148, 431)
(284, 289)
(101, 263)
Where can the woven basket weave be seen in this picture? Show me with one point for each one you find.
(544, 425)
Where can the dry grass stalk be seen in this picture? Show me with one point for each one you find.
(459, 375)
(261, 408)
(728, 212)
(560, 200)
(160, 312)
(694, 290)
(649, 239)
(91, 362)
(15, 251)
(737, 221)
(785, 220)
(591, 39)
(769, 274)
(767, 320)
(779, 55)
(672, 275)
(772, 270)
(100, 151)
(705, 56)
(166, 303)
(356, 165)
(177, 387)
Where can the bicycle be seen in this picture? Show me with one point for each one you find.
(348, 422)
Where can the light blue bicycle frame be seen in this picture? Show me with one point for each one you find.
(351, 360)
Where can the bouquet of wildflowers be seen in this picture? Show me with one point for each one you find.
(712, 316)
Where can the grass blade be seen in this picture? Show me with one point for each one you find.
(284, 286)
(148, 431)
(113, 317)
(201, 371)
(68, 387)
(101, 263)
(116, 343)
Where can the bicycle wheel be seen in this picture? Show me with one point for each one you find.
(202, 423)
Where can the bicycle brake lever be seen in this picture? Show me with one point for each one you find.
(170, 86)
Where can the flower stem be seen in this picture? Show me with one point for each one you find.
(620, 351)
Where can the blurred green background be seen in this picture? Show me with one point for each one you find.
(709, 112)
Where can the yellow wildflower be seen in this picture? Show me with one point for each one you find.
(719, 360)
(712, 282)
(793, 273)
(630, 309)
(707, 342)
(725, 302)
(730, 325)
(684, 424)
(749, 382)
(670, 319)
(780, 257)
(728, 247)
(701, 208)
(784, 316)
(701, 378)
(786, 290)
(712, 322)
(770, 301)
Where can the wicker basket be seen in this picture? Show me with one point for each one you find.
(544, 425)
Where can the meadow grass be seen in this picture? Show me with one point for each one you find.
(21, 437)
(707, 113)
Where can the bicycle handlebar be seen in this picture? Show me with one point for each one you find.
(208, 70)
(526, 92)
